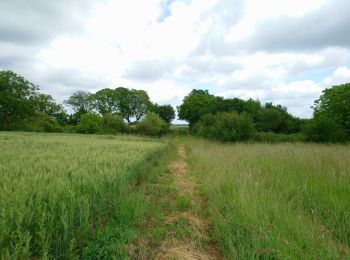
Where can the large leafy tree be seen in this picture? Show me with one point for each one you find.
(132, 104)
(195, 105)
(335, 103)
(105, 101)
(124, 98)
(45, 104)
(166, 112)
(80, 102)
(140, 103)
(16, 98)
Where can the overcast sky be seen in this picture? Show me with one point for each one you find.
(284, 51)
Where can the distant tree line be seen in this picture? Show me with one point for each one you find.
(120, 110)
(123, 110)
(234, 119)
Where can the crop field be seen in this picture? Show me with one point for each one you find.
(65, 195)
(126, 197)
(282, 201)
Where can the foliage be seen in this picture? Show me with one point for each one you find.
(152, 125)
(333, 107)
(225, 126)
(195, 105)
(324, 129)
(105, 101)
(89, 124)
(38, 122)
(166, 112)
(16, 98)
(270, 137)
(80, 102)
(112, 124)
(46, 105)
(132, 103)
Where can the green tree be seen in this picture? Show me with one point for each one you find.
(80, 102)
(16, 98)
(195, 105)
(45, 104)
(225, 126)
(152, 125)
(324, 129)
(252, 107)
(89, 124)
(105, 101)
(132, 104)
(140, 103)
(166, 112)
(112, 124)
(335, 103)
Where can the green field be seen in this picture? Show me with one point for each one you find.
(71, 195)
(283, 201)
(101, 197)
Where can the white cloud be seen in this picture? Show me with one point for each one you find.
(235, 48)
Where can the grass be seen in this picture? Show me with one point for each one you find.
(72, 196)
(284, 201)
(101, 197)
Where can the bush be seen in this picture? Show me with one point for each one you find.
(152, 125)
(112, 124)
(270, 137)
(225, 126)
(89, 124)
(179, 130)
(39, 122)
(324, 129)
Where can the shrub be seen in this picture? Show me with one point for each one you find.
(112, 124)
(39, 122)
(152, 125)
(270, 137)
(89, 124)
(324, 129)
(225, 126)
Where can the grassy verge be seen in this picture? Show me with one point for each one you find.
(287, 201)
(73, 196)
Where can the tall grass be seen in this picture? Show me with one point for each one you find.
(68, 196)
(284, 201)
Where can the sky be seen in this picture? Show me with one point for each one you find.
(280, 51)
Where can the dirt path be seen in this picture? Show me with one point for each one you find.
(196, 245)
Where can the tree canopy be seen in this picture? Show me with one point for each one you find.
(16, 98)
(166, 112)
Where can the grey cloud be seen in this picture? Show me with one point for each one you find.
(221, 17)
(332, 58)
(149, 70)
(212, 65)
(37, 21)
(325, 27)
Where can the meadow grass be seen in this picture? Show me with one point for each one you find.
(72, 196)
(284, 201)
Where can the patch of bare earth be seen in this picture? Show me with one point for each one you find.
(187, 248)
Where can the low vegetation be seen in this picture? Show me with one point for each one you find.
(276, 201)
(66, 196)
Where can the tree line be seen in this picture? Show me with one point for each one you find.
(123, 110)
(234, 119)
(23, 107)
